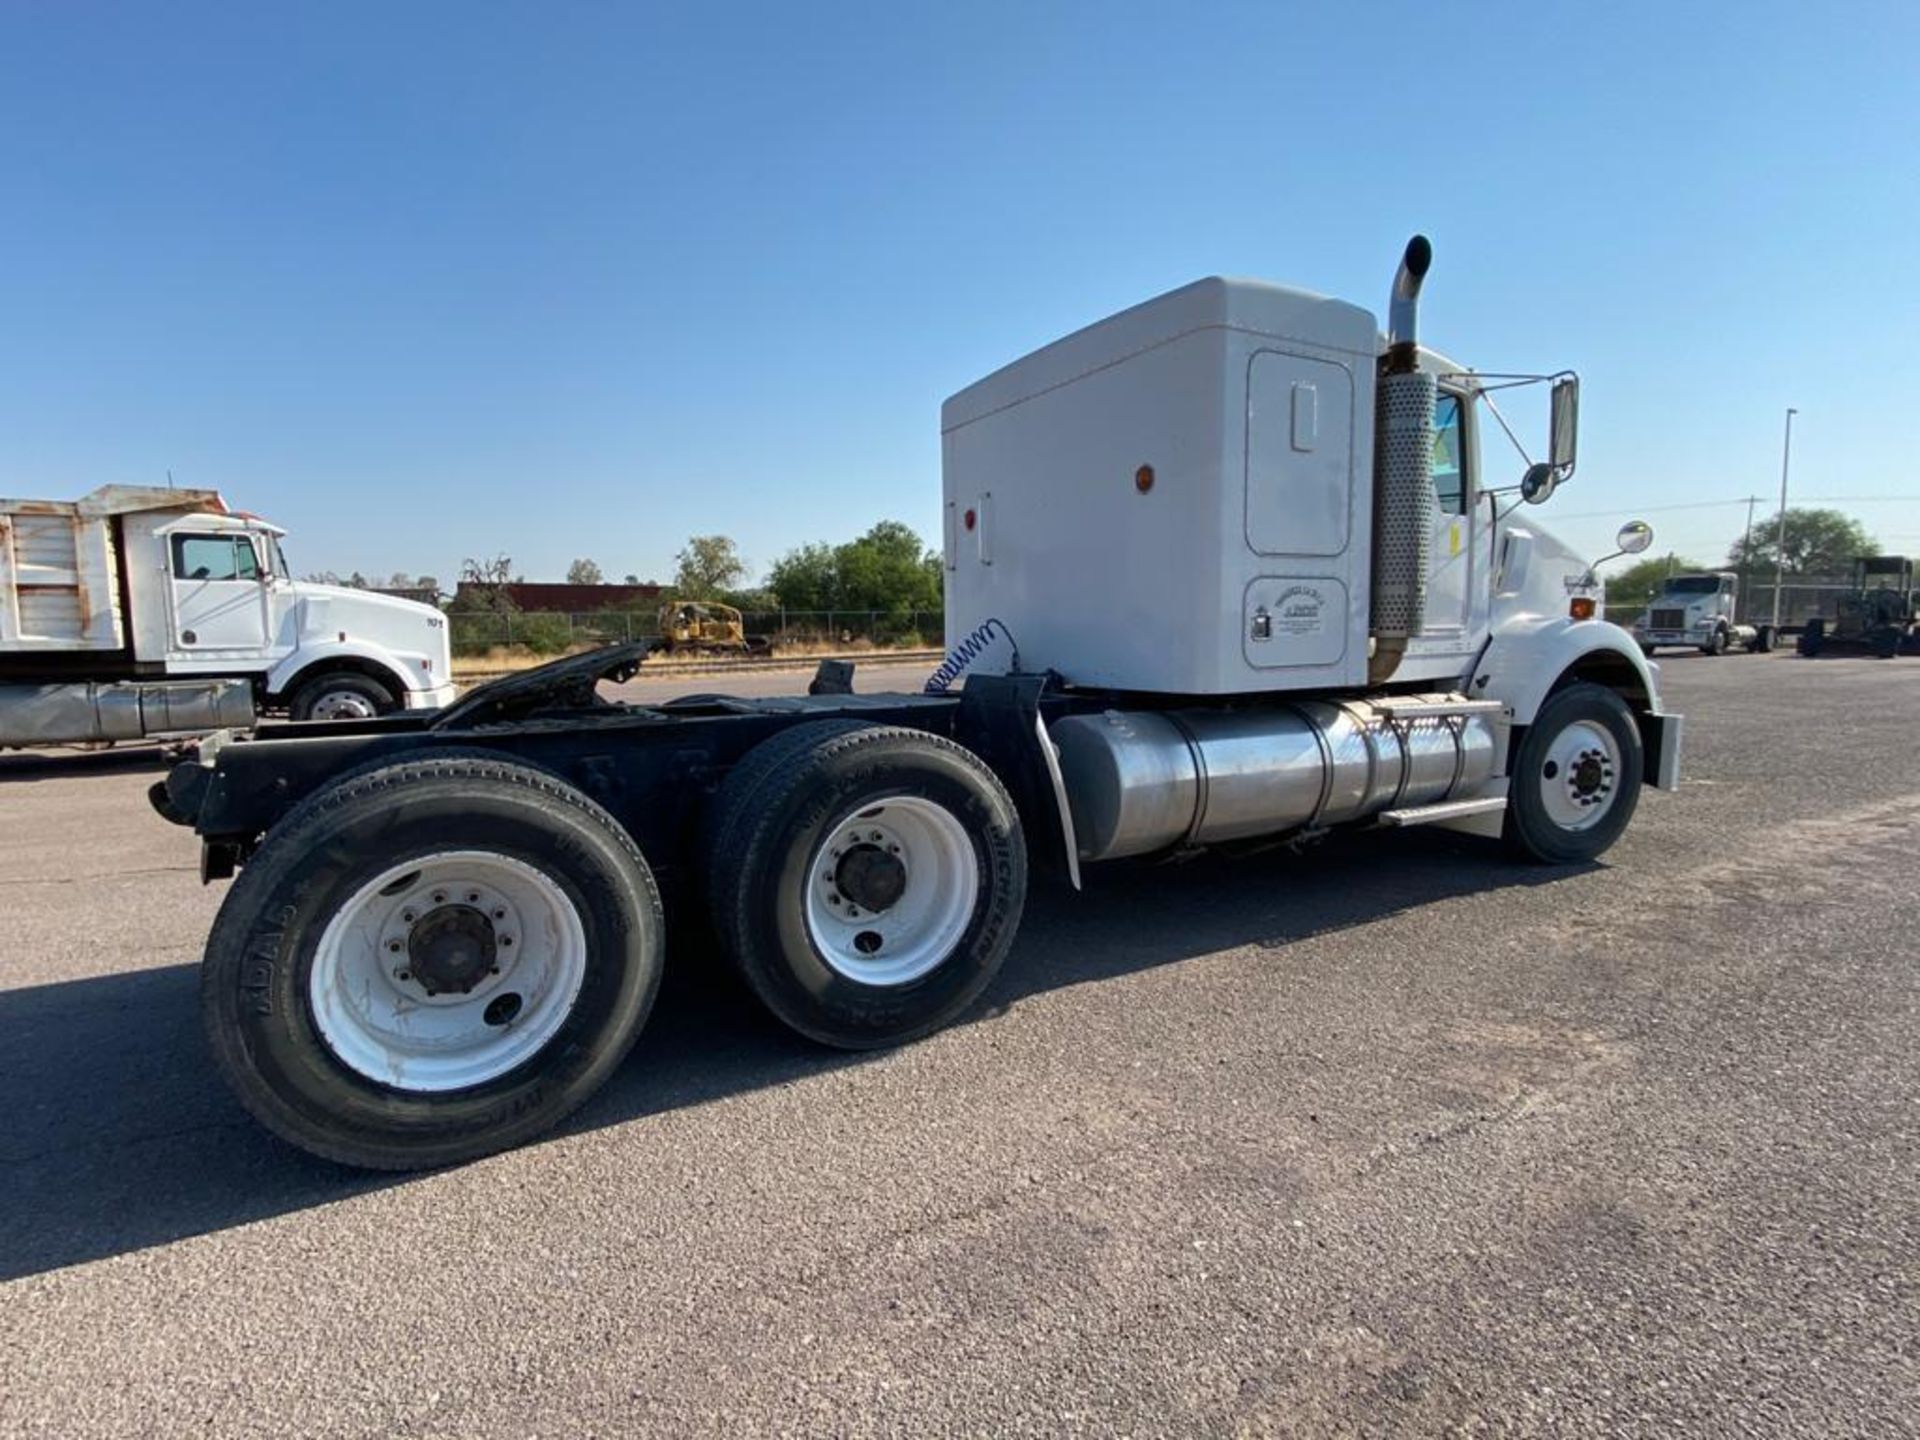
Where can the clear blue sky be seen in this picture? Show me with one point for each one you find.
(423, 281)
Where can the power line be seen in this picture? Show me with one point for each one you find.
(1741, 500)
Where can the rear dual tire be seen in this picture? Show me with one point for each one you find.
(866, 880)
(384, 996)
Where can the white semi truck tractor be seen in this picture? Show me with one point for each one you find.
(1701, 612)
(1228, 566)
(143, 611)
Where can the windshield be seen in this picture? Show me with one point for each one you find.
(1693, 585)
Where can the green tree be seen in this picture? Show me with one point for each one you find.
(886, 569)
(1632, 587)
(708, 566)
(1819, 542)
(584, 572)
(805, 579)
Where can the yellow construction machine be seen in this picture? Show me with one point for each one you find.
(705, 627)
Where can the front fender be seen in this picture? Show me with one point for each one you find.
(1526, 658)
(405, 668)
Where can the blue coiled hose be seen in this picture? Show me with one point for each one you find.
(965, 653)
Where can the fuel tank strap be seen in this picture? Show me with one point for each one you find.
(1200, 783)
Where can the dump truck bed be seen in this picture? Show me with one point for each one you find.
(60, 581)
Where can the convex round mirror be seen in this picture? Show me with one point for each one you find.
(1634, 536)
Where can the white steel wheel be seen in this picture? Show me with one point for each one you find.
(344, 705)
(1580, 775)
(891, 890)
(447, 970)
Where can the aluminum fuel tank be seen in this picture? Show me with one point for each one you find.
(1145, 780)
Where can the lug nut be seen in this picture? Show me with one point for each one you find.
(500, 914)
(394, 946)
(403, 975)
(505, 940)
(439, 897)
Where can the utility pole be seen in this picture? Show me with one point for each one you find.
(1780, 542)
(1746, 562)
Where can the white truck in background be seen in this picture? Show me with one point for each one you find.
(142, 611)
(1701, 612)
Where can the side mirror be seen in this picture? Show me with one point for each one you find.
(1634, 536)
(1538, 483)
(1564, 422)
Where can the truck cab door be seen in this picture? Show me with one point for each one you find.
(219, 595)
(1455, 560)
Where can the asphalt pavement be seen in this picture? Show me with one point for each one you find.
(1394, 1137)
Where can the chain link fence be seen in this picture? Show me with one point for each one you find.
(475, 633)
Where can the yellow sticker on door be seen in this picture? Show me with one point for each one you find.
(1453, 538)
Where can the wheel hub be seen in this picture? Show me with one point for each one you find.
(1581, 777)
(891, 890)
(1589, 774)
(452, 949)
(870, 877)
(343, 705)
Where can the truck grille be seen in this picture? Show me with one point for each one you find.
(1667, 620)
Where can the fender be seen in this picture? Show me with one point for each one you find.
(406, 669)
(1528, 657)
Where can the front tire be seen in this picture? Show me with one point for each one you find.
(342, 695)
(430, 962)
(866, 880)
(1575, 780)
(1718, 644)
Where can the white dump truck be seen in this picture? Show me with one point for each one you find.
(1229, 567)
(141, 611)
(1701, 612)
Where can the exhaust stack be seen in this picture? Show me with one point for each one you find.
(1403, 311)
(1402, 475)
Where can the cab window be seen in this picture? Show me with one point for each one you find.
(1449, 456)
(214, 557)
